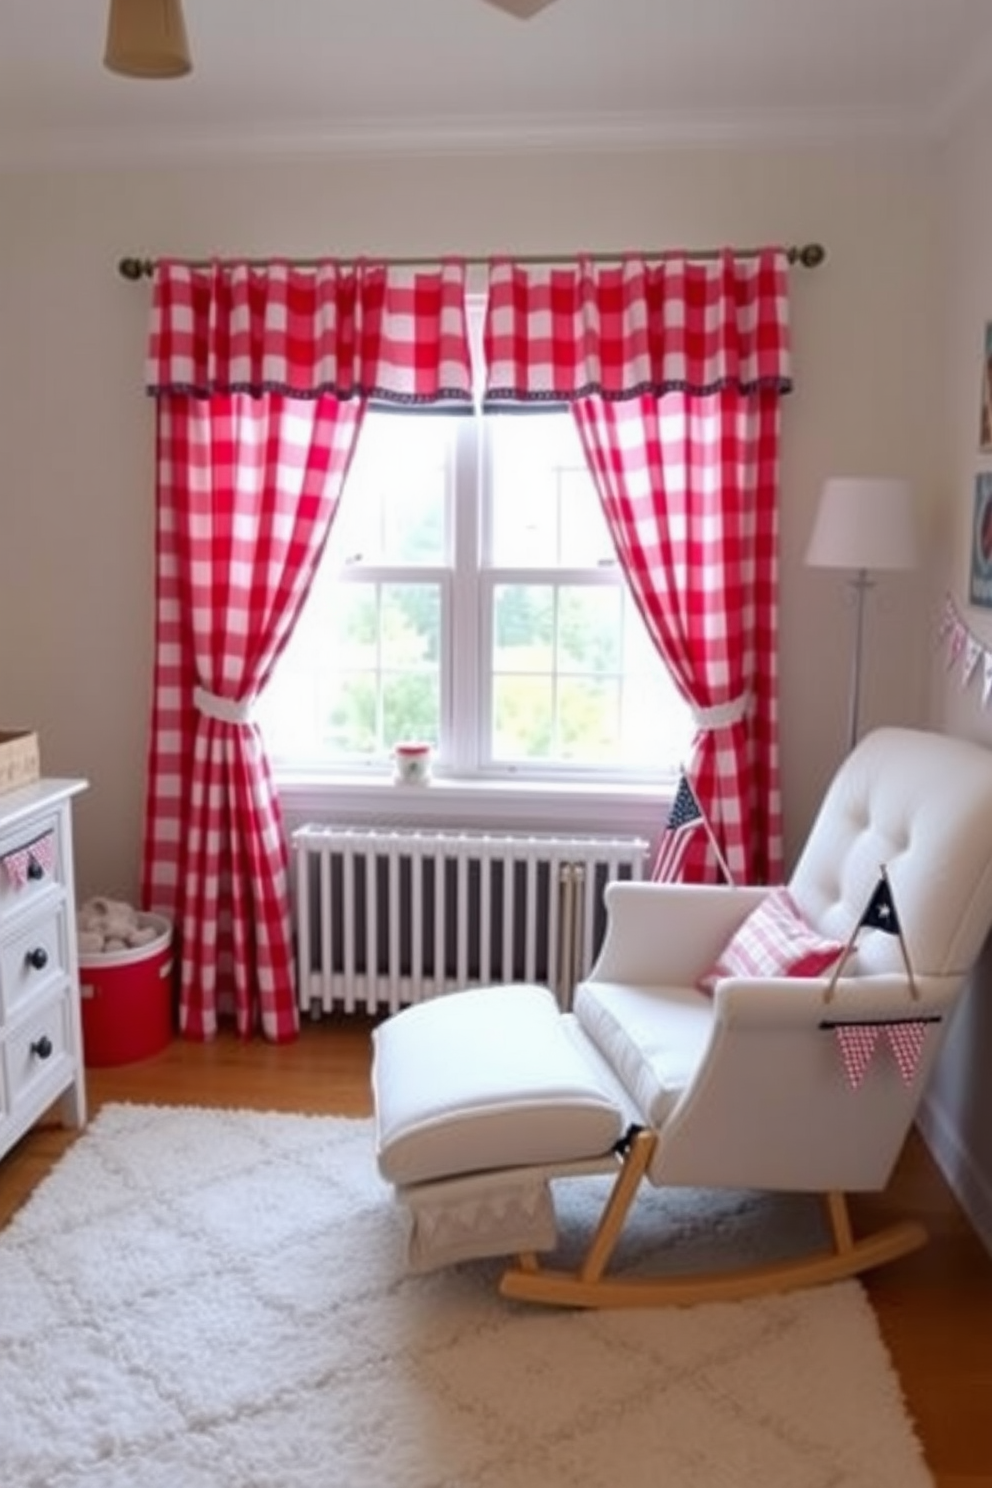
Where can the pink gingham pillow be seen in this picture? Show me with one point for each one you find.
(774, 941)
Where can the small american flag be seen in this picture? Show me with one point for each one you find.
(880, 911)
(683, 820)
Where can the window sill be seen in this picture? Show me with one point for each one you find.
(504, 805)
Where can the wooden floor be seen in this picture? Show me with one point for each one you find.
(934, 1307)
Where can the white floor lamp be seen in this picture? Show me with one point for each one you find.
(863, 523)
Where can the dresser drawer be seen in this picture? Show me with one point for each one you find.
(37, 1052)
(32, 958)
(41, 1048)
(30, 866)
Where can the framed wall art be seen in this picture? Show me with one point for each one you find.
(985, 417)
(980, 586)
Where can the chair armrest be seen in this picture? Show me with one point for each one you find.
(770, 1106)
(669, 933)
(785, 1002)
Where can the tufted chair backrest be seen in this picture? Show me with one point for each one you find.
(921, 804)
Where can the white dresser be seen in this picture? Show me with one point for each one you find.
(41, 1045)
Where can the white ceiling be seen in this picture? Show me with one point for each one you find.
(273, 74)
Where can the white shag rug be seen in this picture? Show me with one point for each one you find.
(218, 1299)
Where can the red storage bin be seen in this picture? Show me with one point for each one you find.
(126, 999)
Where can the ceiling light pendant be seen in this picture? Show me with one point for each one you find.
(522, 9)
(147, 39)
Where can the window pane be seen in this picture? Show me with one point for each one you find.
(545, 510)
(393, 507)
(368, 675)
(410, 626)
(522, 718)
(351, 629)
(585, 536)
(570, 680)
(589, 721)
(348, 707)
(523, 628)
(589, 629)
(411, 707)
(577, 680)
(656, 727)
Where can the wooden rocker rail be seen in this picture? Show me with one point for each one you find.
(589, 1286)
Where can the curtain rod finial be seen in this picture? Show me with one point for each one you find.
(810, 255)
(135, 268)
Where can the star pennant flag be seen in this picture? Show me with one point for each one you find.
(878, 914)
(880, 911)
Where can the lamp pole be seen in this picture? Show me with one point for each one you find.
(860, 584)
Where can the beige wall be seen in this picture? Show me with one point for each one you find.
(76, 573)
(958, 1114)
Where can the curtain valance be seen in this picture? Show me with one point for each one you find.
(626, 330)
(350, 330)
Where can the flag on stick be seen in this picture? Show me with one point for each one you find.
(878, 914)
(880, 911)
(684, 820)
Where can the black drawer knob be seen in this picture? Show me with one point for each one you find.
(38, 958)
(42, 1047)
(35, 870)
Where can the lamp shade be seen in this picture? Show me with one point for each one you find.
(864, 522)
(147, 39)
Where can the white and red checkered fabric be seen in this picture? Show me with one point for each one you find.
(857, 1041)
(262, 377)
(631, 328)
(856, 1044)
(247, 489)
(907, 1040)
(37, 856)
(362, 329)
(689, 488)
(674, 371)
(775, 941)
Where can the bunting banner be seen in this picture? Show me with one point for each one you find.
(41, 853)
(857, 1043)
(965, 652)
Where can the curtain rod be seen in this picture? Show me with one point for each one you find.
(809, 256)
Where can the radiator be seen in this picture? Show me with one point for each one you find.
(386, 918)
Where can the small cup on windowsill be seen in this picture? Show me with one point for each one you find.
(412, 763)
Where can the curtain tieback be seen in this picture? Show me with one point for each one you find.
(722, 715)
(224, 710)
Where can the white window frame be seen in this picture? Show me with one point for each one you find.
(472, 789)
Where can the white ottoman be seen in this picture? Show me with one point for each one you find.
(470, 1085)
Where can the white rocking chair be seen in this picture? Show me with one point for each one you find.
(775, 1082)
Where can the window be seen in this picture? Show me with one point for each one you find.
(469, 595)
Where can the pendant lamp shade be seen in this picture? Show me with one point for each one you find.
(147, 39)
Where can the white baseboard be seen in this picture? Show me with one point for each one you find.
(970, 1185)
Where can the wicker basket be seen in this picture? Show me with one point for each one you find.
(20, 761)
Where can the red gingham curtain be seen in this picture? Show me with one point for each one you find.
(674, 372)
(247, 491)
(689, 489)
(249, 477)
(354, 330)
